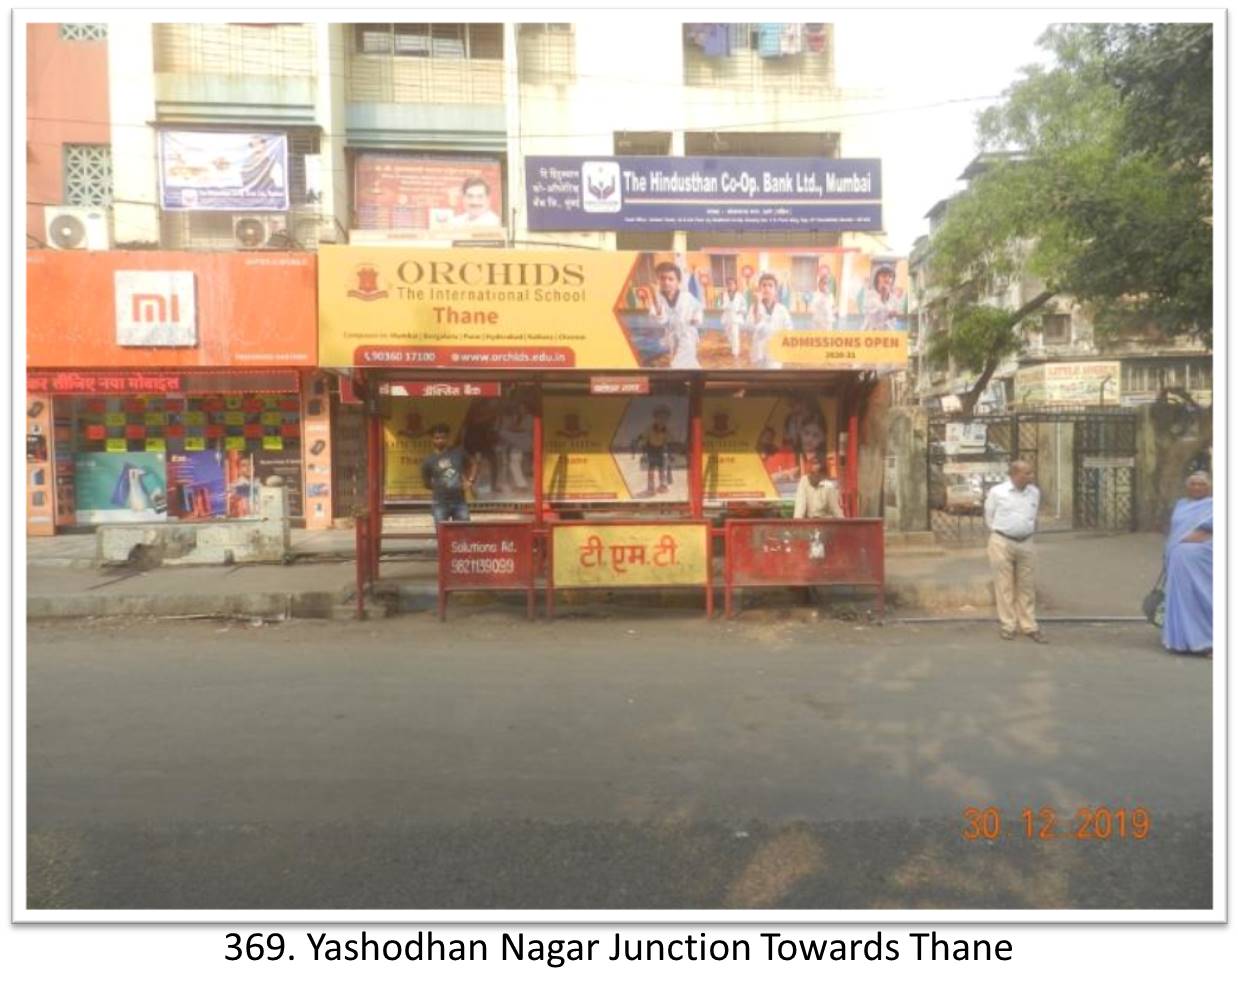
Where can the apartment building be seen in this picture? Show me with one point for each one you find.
(364, 134)
(1063, 362)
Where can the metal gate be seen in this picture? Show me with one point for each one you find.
(1084, 461)
(1105, 472)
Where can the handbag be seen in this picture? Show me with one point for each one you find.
(1154, 603)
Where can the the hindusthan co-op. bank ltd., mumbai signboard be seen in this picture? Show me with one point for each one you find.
(506, 309)
(695, 193)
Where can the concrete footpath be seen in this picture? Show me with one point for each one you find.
(1079, 575)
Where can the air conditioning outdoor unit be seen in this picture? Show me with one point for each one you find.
(72, 227)
(259, 231)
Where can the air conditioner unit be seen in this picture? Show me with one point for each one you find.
(71, 227)
(259, 231)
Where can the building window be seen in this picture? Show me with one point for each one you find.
(804, 274)
(83, 32)
(430, 41)
(88, 175)
(723, 268)
(547, 53)
(790, 56)
(1056, 329)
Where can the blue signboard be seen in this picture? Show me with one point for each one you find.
(726, 193)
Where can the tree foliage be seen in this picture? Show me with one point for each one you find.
(1109, 198)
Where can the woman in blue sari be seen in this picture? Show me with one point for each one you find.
(1188, 571)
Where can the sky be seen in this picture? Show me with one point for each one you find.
(919, 58)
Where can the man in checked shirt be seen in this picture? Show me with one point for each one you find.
(1010, 513)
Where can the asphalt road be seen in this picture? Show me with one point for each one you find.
(634, 763)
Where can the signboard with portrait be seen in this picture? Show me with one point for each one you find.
(460, 197)
(223, 171)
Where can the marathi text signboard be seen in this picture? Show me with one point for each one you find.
(804, 552)
(223, 171)
(509, 310)
(732, 193)
(630, 555)
(1090, 383)
(474, 556)
(459, 198)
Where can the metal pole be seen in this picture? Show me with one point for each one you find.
(538, 511)
(853, 451)
(696, 485)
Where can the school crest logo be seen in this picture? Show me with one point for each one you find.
(721, 427)
(367, 284)
(600, 187)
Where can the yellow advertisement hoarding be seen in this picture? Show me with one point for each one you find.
(630, 555)
(504, 309)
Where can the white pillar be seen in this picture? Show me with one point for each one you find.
(330, 96)
(135, 164)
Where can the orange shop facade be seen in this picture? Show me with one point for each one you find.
(166, 385)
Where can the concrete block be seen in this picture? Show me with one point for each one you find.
(235, 541)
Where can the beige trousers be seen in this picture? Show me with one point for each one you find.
(1014, 582)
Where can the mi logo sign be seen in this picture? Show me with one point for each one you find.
(155, 308)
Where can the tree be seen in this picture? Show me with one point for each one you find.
(1108, 199)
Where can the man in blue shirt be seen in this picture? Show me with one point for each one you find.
(447, 472)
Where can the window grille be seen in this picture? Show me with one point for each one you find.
(547, 53)
(1057, 328)
(83, 32)
(430, 41)
(88, 175)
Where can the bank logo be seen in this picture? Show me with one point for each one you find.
(367, 284)
(600, 187)
(155, 308)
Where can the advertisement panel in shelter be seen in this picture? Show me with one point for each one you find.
(496, 435)
(727, 310)
(598, 448)
(757, 448)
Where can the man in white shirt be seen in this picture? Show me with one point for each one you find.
(769, 317)
(1010, 513)
(476, 199)
(680, 315)
(816, 497)
(734, 305)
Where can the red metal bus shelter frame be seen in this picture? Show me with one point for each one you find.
(366, 384)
